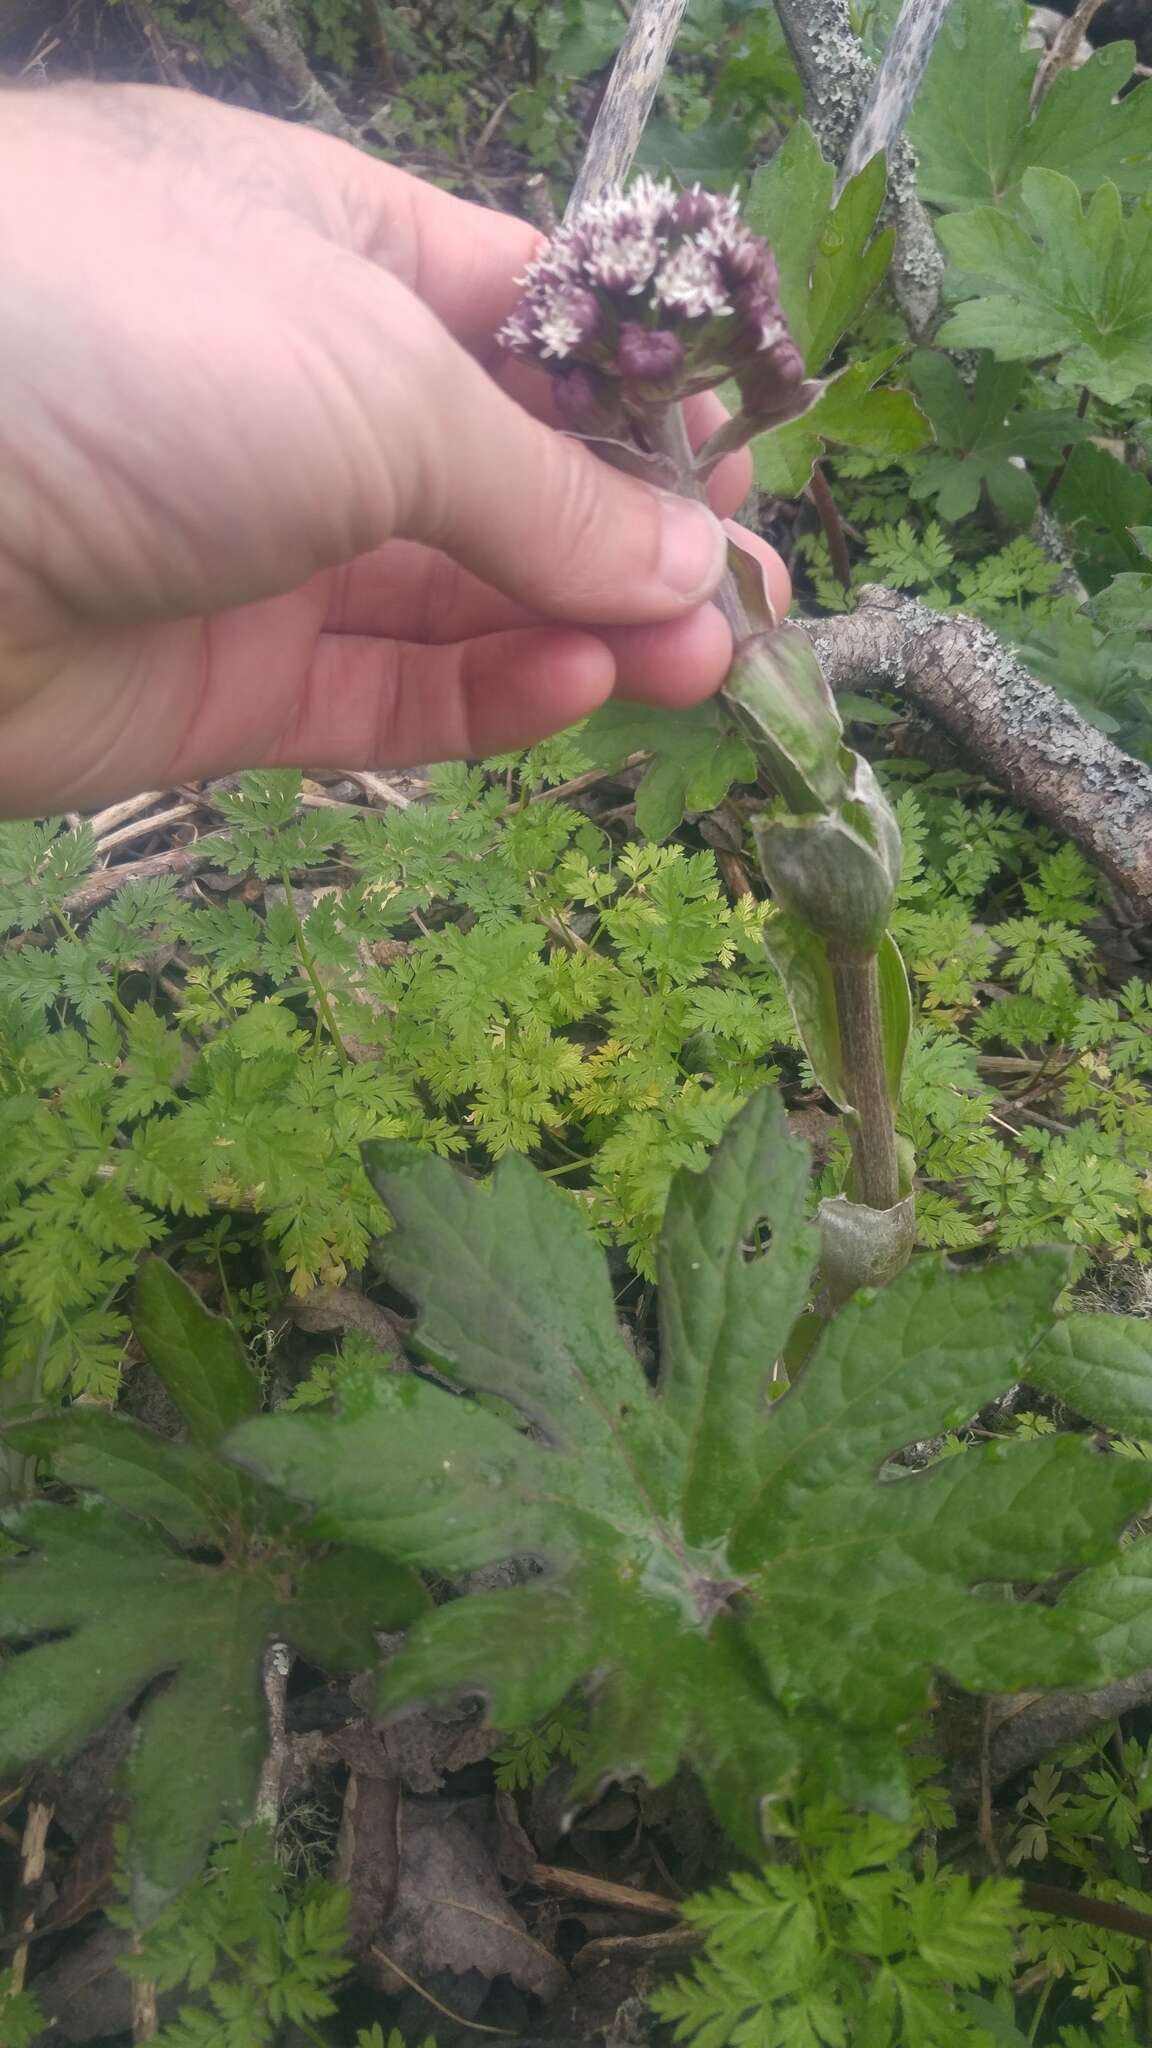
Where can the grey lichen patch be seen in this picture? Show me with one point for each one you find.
(1029, 740)
(837, 75)
(854, 118)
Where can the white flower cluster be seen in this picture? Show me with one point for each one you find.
(688, 251)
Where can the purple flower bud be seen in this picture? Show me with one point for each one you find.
(648, 355)
(748, 260)
(785, 362)
(773, 377)
(582, 402)
(695, 209)
(762, 316)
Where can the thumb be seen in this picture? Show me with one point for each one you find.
(538, 515)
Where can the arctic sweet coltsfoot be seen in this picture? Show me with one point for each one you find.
(648, 296)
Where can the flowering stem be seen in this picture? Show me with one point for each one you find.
(855, 977)
(856, 984)
(668, 436)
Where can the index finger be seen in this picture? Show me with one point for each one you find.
(462, 260)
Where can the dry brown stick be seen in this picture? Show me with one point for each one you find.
(179, 860)
(1025, 738)
(33, 1856)
(894, 87)
(580, 783)
(131, 807)
(1052, 1898)
(627, 102)
(600, 1891)
(141, 827)
(145, 2017)
(274, 1684)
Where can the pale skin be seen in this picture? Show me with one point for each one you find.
(270, 494)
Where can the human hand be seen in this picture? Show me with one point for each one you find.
(270, 494)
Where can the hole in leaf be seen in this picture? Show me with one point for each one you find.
(757, 1240)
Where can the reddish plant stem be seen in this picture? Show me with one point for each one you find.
(1057, 477)
(833, 526)
(856, 983)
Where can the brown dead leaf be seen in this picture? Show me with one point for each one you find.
(451, 1920)
(367, 1857)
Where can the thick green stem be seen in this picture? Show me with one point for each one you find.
(669, 437)
(857, 988)
(855, 978)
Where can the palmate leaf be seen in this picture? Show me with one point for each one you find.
(108, 1581)
(850, 413)
(831, 261)
(747, 1585)
(695, 758)
(973, 128)
(1077, 288)
(830, 257)
(979, 433)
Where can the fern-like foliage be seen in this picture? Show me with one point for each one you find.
(842, 1940)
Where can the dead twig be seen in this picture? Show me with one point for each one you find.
(33, 1856)
(1052, 1898)
(857, 111)
(158, 822)
(579, 783)
(377, 786)
(627, 102)
(268, 24)
(601, 1891)
(1064, 46)
(96, 888)
(274, 1681)
(145, 2017)
(131, 807)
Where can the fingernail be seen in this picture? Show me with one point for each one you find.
(693, 549)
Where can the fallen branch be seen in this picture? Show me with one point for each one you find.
(274, 1684)
(33, 1857)
(1025, 738)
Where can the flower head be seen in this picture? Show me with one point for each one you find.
(652, 292)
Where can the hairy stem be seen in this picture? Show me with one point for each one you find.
(855, 977)
(857, 988)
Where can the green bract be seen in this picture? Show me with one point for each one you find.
(748, 1586)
